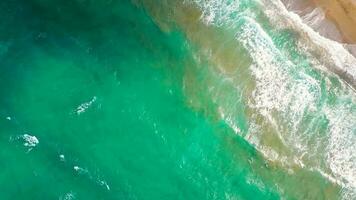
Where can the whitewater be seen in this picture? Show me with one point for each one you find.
(287, 95)
(175, 99)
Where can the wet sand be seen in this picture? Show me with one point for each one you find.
(343, 14)
(333, 19)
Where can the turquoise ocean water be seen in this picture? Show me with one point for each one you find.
(168, 100)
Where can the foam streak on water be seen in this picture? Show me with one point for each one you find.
(84, 106)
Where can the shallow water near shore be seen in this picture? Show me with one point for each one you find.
(169, 100)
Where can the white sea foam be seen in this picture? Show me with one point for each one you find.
(62, 158)
(104, 184)
(30, 140)
(68, 196)
(80, 170)
(84, 106)
(27, 140)
(219, 12)
(85, 172)
(333, 55)
(285, 93)
(276, 90)
(341, 140)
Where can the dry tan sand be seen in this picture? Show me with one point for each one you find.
(343, 14)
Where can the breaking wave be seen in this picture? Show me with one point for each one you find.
(310, 111)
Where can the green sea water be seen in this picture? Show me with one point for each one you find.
(146, 100)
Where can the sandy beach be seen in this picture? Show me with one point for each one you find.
(333, 19)
(343, 14)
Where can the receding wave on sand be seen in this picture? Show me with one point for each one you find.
(335, 20)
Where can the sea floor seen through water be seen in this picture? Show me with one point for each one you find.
(193, 99)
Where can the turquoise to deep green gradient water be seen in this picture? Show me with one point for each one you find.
(104, 100)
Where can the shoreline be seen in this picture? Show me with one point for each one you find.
(337, 58)
(343, 14)
(335, 20)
